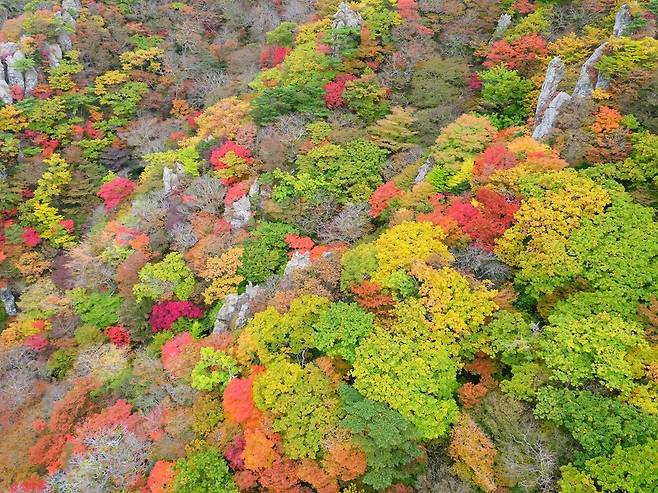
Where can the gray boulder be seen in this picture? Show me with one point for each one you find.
(622, 20)
(8, 301)
(233, 313)
(602, 82)
(298, 261)
(345, 17)
(554, 75)
(73, 7)
(171, 179)
(424, 169)
(64, 41)
(54, 54)
(588, 72)
(14, 76)
(504, 22)
(5, 91)
(31, 80)
(238, 213)
(7, 49)
(550, 115)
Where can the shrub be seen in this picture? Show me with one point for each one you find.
(203, 471)
(265, 251)
(100, 309)
(88, 335)
(213, 370)
(60, 362)
(170, 277)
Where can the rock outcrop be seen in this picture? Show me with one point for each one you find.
(550, 116)
(590, 78)
(622, 20)
(298, 261)
(504, 21)
(27, 80)
(5, 93)
(588, 74)
(54, 54)
(14, 76)
(8, 301)
(424, 169)
(171, 179)
(345, 17)
(235, 310)
(73, 7)
(554, 75)
(238, 213)
(31, 78)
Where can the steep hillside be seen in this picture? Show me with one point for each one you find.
(293, 246)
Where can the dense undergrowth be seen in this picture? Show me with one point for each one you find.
(293, 246)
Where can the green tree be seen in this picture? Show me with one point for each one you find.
(350, 172)
(98, 309)
(171, 276)
(438, 81)
(340, 328)
(358, 264)
(416, 377)
(213, 370)
(597, 423)
(591, 348)
(631, 470)
(204, 471)
(366, 99)
(388, 439)
(617, 252)
(270, 333)
(265, 251)
(504, 92)
(393, 131)
(277, 101)
(303, 404)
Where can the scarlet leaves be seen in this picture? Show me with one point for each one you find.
(493, 158)
(118, 335)
(271, 56)
(381, 197)
(235, 192)
(163, 315)
(487, 222)
(299, 243)
(483, 219)
(370, 296)
(113, 192)
(70, 409)
(161, 477)
(333, 91)
(517, 55)
(239, 401)
(218, 154)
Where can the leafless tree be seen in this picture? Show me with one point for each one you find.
(529, 455)
(147, 135)
(350, 224)
(182, 237)
(113, 459)
(208, 193)
(439, 477)
(483, 264)
(148, 211)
